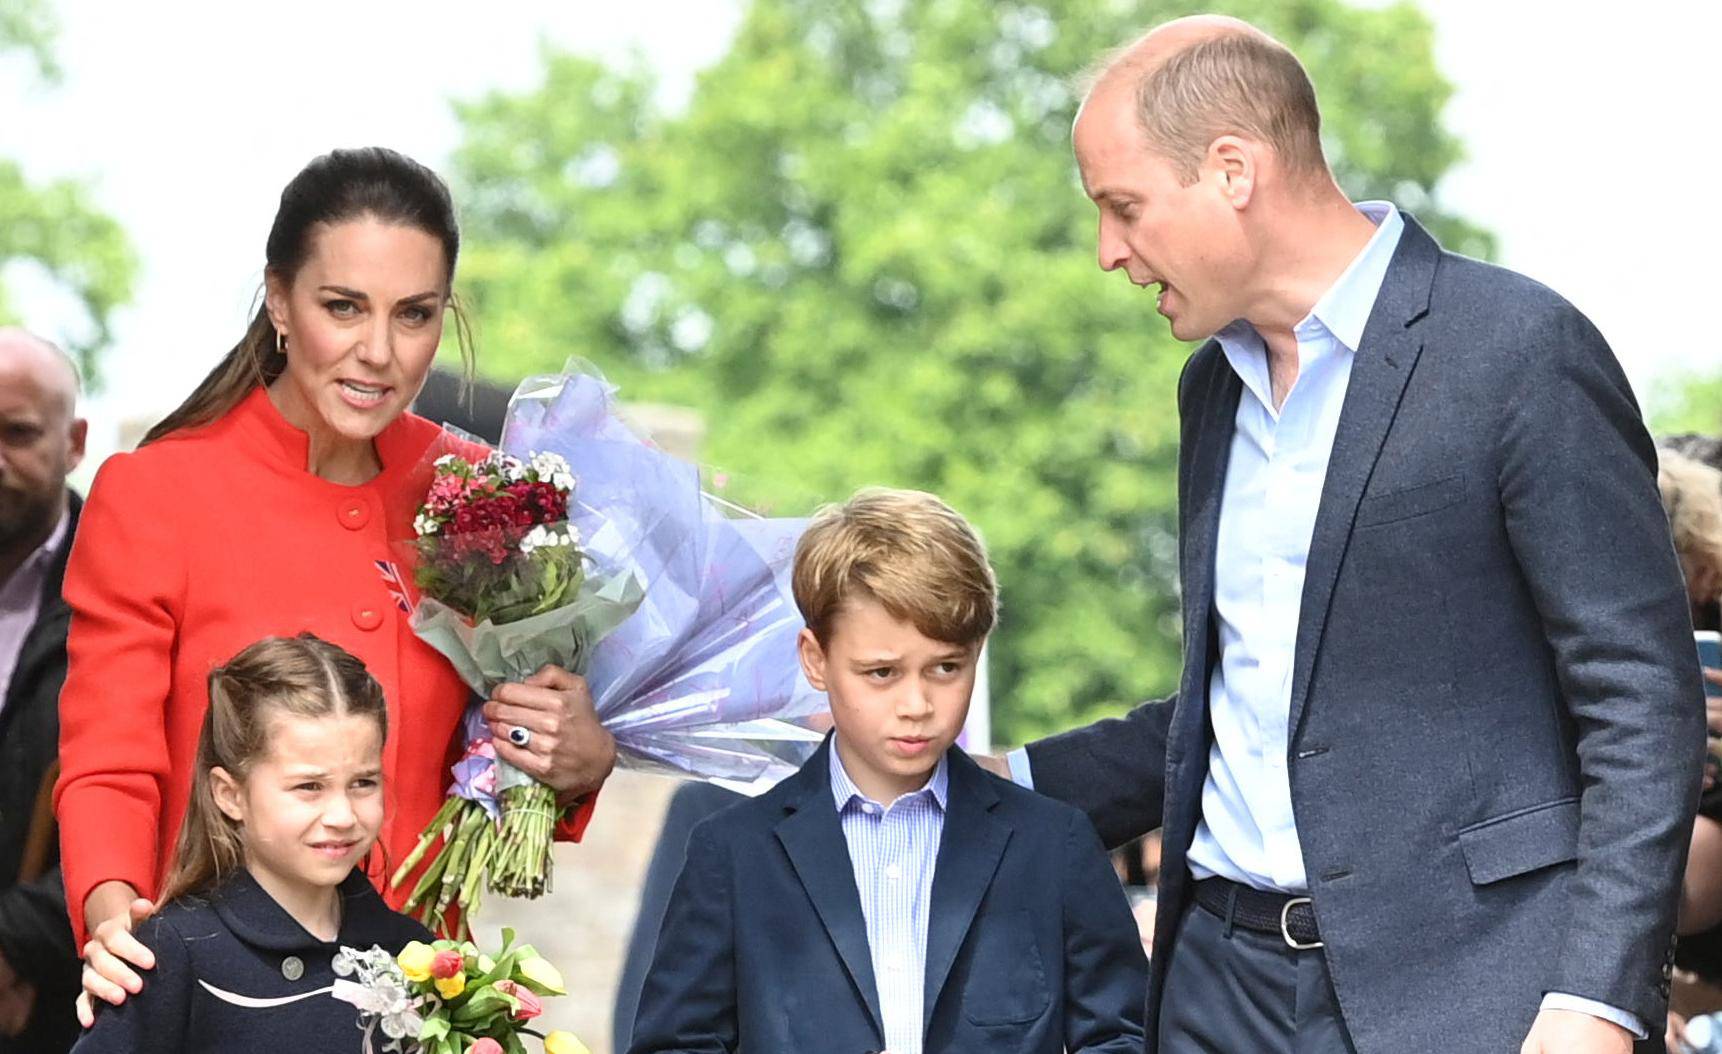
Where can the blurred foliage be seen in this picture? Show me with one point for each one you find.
(1688, 403)
(862, 253)
(28, 26)
(56, 226)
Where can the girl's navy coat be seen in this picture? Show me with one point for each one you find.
(217, 957)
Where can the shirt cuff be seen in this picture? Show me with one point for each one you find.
(1020, 773)
(1614, 1016)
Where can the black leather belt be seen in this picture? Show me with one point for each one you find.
(1281, 914)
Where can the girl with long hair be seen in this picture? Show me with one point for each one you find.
(286, 801)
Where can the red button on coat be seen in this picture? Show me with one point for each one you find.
(353, 514)
(367, 616)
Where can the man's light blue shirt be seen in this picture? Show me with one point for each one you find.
(1273, 486)
(1274, 480)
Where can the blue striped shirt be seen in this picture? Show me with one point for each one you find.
(893, 849)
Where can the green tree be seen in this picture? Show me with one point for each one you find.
(863, 253)
(56, 226)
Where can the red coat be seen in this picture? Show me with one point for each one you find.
(194, 547)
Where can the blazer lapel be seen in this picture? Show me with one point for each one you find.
(1200, 491)
(1379, 373)
(969, 851)
(812, 835)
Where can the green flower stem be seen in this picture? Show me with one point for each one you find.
(523, 854)
(432, 831)
(459, 859)
(428, 881)
(481, 855)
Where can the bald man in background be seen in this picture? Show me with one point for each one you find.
(41, 441)
(1426, 780)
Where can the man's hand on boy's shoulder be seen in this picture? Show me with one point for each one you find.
(993, 763)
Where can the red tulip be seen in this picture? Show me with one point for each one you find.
(447, 964)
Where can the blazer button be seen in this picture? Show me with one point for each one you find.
(353, 514)
(367, 616)
(292, 968)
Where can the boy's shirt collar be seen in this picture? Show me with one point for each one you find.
(844, 792)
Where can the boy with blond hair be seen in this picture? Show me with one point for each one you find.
(892, 895)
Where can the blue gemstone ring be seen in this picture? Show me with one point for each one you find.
(519, 735)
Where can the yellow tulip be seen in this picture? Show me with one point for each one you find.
(449, 987)
(563, 1043)
(541, 973)
(415, 961)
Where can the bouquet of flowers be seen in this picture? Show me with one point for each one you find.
(506, 587)
(450, 998)
(703, 680)
(584, 545)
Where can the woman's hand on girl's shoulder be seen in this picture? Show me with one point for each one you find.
(109, 957)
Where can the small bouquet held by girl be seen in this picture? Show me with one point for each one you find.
(450, 998)
(582, 545)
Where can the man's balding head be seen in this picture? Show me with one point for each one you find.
(41, 441)
(1195, 79)
(52, 370)
(1200, 145)
(1168, 38)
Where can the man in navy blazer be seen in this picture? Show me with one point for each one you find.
(891, 895)
(1428, 777)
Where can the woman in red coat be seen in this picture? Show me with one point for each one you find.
(263, 506)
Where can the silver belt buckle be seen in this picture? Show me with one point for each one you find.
(1285, 925)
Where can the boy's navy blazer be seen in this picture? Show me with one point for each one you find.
(1031, 946)
(235, 972)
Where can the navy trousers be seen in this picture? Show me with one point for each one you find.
(1235, 991)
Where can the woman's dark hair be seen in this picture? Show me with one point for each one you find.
(341, 185)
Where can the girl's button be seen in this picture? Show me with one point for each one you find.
(367, 616)
(292, 968)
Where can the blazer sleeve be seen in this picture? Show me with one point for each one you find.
(688, 1001)
(1114, 770)
(1105, 970)
(157, 1019)
(124, 581)
(1577, 480)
